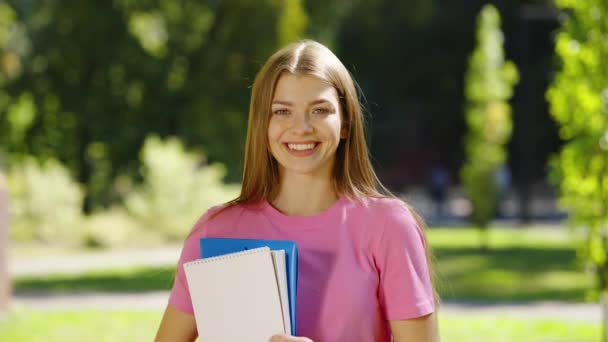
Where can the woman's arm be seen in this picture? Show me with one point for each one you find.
(421, 329)
(176, 326)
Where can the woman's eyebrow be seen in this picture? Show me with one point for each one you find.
(287, 103)
(319, 101)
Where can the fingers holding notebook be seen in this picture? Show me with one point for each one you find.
(286, 338)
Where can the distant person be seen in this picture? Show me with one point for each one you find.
(503, 185)
(440, 182)
(363, 274)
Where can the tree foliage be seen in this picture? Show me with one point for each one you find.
(45, 203)
(168, 206)
(489, 85)
(86, 83)
(95, 78)
(578, 98)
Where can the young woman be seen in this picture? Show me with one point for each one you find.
(363, 261)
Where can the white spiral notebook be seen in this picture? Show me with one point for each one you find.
(239, 296)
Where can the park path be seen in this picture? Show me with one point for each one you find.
(167, 256)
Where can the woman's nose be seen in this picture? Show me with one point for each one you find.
(302, 124)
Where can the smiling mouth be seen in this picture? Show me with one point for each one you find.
(302, 149)
(301, 146)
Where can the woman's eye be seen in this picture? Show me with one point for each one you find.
(281, 112)
(322, 110)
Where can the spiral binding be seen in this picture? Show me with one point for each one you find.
(227, 256)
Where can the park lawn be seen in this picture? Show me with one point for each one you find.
(138, 279)
(521, 265)
(98, 326)
(116, 326)
(508, 328)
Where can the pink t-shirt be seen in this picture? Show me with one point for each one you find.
(361, 263)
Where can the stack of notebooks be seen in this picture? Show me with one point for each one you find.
(243, 289)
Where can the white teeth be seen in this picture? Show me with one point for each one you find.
(301, 147)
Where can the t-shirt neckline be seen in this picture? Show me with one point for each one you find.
(303, 222)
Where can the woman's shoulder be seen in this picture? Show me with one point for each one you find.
(390, 218)
(394, 212)
(381, 204)
(213, 214)
(224, 214)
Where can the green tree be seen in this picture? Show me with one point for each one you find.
(292, 21)
(86, 83)
(578, 100)
(5, 286)
(46, 203)
(12, 49)
(326, 19)
(489, 85)
(169, 207)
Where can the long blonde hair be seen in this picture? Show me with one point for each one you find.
(353, 174)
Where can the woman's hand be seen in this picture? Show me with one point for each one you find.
(287, 338)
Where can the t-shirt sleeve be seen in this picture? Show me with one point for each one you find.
(179, 297)
(405, 289)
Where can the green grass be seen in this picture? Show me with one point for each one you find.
(521, 265)
(504, 328)
(116, 326)
(501, 237)
(98, 326)
(113, 280)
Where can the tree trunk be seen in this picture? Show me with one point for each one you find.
(484, 239)
(5, 288)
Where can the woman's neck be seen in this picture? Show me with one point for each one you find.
(304, 196)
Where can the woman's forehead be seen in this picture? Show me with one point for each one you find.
(300, 88)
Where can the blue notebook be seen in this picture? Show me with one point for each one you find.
(211, 247)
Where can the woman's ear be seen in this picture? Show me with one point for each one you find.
(344, 131)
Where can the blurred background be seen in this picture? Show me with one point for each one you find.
(122, 121)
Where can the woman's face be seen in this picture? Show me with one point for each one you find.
(305, 125)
